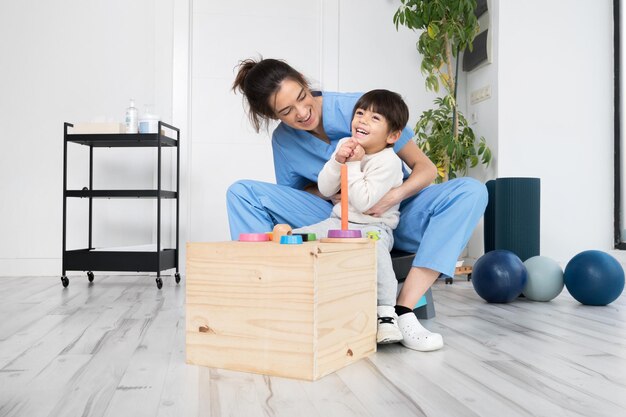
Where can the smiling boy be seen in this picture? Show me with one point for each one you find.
(373, 169)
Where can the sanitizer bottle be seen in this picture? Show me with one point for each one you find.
(131, 118)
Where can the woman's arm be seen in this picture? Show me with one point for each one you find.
(423, 173)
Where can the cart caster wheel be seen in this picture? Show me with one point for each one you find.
(469, 277)
(90, 276)
(177, 277)
(159, 282)
(65, 282)
(449, 280)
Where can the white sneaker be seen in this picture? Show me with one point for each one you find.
(415, 336)
(388, 330)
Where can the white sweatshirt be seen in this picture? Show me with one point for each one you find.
(368, 181)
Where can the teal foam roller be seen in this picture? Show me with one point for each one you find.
(512, 217)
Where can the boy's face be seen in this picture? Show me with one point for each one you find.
(371, 130)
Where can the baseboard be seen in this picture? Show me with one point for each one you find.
(30, 267)
(45, 267)
(620, 255)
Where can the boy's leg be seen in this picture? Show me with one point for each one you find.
(256, 207)
(386, 285)
(320, 229)
(387, 330)
(386, 282)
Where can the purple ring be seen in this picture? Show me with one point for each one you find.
(338, 233)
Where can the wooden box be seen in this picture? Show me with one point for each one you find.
(299, 311)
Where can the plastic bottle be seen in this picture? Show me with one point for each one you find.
(149, 122)
(131, 118)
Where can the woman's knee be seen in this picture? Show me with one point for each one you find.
(473, 190)
(239, 188)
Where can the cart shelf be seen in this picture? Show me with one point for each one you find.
(122, 140)
(127, 261)
(121, 193)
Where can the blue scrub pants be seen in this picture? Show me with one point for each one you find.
(435, 224)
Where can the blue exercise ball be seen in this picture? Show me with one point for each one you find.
(594, 278)
(499, 276)
(545, 279)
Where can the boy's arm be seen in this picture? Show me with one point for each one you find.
(366, 188)
(329, 178)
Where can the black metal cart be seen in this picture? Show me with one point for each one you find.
(89, 259)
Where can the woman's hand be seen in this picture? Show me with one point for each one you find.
(389, 200)
(313, 189)
(335, 199)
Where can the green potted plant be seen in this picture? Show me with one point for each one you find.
(448, 27)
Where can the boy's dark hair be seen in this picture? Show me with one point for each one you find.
(387, 103)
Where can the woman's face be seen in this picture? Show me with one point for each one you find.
(294, 105)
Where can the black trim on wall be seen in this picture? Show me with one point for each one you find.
(617, 162)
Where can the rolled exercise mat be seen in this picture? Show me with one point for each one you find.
(489, 227)
(512, 217)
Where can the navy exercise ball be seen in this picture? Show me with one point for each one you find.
(499, 276)
(594, 278)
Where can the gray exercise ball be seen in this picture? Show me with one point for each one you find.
(545, 279)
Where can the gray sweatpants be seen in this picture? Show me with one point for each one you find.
(387, 285)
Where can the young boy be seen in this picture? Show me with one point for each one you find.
(373, 169)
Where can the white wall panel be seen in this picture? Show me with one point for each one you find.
(224, 146)
(373, 54)
(214, 167)
(73, 61)
(218, 114)
(556, 116)
(220, 41)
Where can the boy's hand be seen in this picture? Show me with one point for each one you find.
(357, 154)
(350, 151)
(346, 151)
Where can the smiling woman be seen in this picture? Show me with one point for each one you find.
(435, 221)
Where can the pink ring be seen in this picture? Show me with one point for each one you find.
(253, 237)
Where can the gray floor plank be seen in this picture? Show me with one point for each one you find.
(89, 393)
(117, 347)
(46, 388)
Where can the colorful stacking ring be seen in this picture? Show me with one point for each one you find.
(291, 240)
(253, 237)
(344, 233)
(306, 237)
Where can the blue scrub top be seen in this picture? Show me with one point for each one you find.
(299, 156)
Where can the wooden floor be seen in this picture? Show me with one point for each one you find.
(116, 348)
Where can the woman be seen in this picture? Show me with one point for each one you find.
(436, 221)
